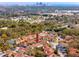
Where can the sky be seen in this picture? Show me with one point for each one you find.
(46, 3)
(39, 0)
(53, 2)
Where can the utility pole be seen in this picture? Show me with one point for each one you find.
(37, 38)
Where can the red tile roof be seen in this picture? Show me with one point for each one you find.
(73, 51)
(48, 50)
(18, 55)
